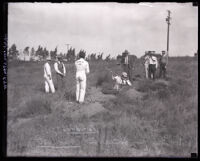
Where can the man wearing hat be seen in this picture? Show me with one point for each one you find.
(153, 65)
(163, 64)
(60, 72)
(48, 77)
(123, 80)
(127, 62)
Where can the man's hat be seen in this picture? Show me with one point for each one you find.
(126, 51)
(124, 74)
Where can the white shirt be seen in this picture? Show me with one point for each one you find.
(146, 60)
(56, 67)
(82, 66)
(47, 70)
(119, 80)
(126, 59)
(153, 60)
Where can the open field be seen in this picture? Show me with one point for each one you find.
(152, 118)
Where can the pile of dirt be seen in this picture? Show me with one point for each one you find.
(161, 81)
(88, 110)
(92, 105)
(95, 95)
(134, 94)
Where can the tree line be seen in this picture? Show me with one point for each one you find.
(42, 53)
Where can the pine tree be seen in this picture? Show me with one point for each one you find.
(71, 55)
(26, 51)
(99, 57)
(108, 58)
(32, 53)
(13, 53)
(53, 54)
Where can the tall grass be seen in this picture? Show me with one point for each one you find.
(167, 105)
(162, 123)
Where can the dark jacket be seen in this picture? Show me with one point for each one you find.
(131, 60)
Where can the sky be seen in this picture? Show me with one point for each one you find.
(104, 27)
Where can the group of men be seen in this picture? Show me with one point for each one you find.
(60, 73)
(151, 64)
(82, 68)
(125, 79)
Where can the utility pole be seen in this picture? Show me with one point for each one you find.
(168, 23)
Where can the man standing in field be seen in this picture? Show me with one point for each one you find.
(60, 72)
(127, 64)
(163, 64)
(153, 65)
(48, 77)
(82, 68)
(146, 64)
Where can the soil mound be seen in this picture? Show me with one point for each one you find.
(134, 94)
(88, 110)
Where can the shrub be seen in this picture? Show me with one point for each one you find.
(102, 78)
(34, 107)
(149, 85)
(70, 95)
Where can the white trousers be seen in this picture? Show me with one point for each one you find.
(116, 86)
(80, 86)
(49, 85)
(146, 66)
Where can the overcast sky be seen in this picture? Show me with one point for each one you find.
(104, 27)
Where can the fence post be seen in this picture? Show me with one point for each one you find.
(98, 151)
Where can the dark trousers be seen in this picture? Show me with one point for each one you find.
(152, 70)
(162, 70)
(60, 82)
(128, 70)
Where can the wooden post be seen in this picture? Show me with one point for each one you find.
(98, 151)
(168, 24)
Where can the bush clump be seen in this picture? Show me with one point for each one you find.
(33, 108)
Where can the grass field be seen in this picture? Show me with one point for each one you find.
(152, 118)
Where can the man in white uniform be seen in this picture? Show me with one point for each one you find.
(146, 65)
(60, 72)
(118, 82)
(48, 77)
(153, 65)
(82, 68)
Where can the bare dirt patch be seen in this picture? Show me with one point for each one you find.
(134, 94)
